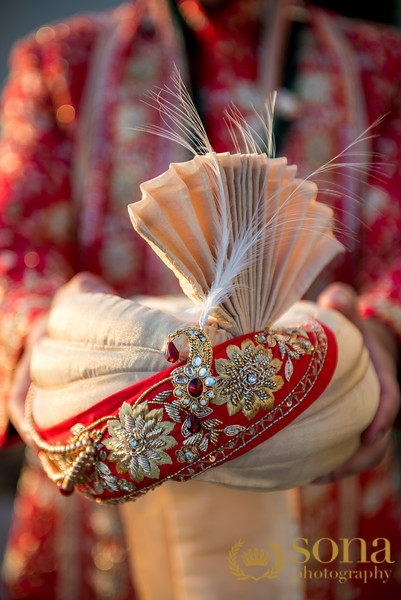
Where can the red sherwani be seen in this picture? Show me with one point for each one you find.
(71, 160)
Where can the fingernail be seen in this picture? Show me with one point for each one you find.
(93, 288)
(373, 438)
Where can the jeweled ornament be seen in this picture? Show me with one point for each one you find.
(194, 425)
(195, 387)
(171, 353)
(65, 491)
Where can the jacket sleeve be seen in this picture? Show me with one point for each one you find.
(381, 264)
(36, 211)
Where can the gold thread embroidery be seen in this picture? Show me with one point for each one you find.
(138, 441)
(243, 437)
(103, 480)
(248, 379)
(292, 344)
(92, 473)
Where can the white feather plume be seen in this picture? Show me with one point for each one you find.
(265, 235)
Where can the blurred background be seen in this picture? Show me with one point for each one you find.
(17, 19)
(20, 17)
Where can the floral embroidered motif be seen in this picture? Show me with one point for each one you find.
(248, 379)
(292, 344)
(104, 480)
(197, 437)
(139, 439)
(196, 431)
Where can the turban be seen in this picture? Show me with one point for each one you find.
(255, 390)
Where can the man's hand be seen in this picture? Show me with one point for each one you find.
(383, 350)
(22, 381)
(82, 282)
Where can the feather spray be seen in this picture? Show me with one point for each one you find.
(267, 236)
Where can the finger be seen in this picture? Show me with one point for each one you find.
(381, 349)
(88, 282)
(84, 282)
(16, 406)
(383, 352)
(341, 297)
(387, 412)
(365, 458)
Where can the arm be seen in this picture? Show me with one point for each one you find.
(376, 310)
(383, 348)
(83, 282)
(36, 213)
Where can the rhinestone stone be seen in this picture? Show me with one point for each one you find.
(194, 425)
(196, 361)
(171, 353)
(195, 387)
(65, 492)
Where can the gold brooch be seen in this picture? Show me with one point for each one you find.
(194, 383)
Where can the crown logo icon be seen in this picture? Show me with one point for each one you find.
(256, 557)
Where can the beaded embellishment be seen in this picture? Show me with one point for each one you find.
(215, 406)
